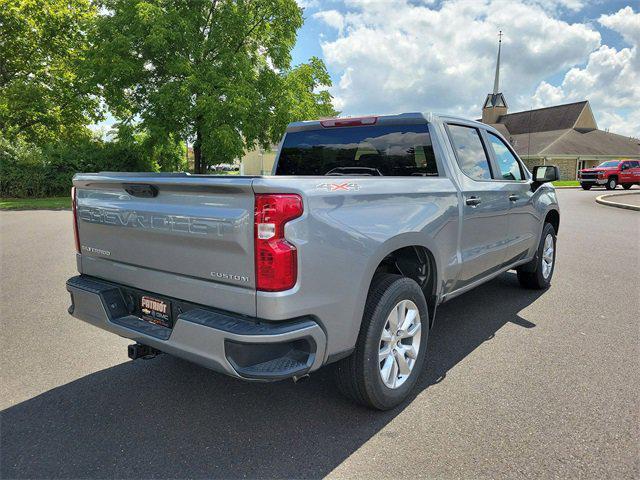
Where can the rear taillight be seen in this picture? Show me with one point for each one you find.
(74, 208)
(276, 259)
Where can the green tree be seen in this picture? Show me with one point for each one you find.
(216, 71)
(166, 154)
(43, 93)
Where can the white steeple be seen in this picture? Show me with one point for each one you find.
(496, 82)
(495, 105)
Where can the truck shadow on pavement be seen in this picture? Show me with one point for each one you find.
(168, 418)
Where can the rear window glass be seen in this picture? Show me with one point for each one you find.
(376, 150)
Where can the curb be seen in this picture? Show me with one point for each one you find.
(601, 200)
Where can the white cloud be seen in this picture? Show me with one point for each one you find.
(626, 22)
(610, 80)
(417, 57)
(307, 3)
(333, 18)
(556, 5)
(627, 124)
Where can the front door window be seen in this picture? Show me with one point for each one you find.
(507, 162)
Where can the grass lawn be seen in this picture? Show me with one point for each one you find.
(51, 203)
(567, 183)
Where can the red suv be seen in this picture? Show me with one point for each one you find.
(610, 174)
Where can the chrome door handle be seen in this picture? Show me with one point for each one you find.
(513, 198)
(473, 201)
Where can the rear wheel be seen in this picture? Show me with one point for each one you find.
(612, 183)
(586, 186)
(627, 186)
(391, 345)
(537, 273)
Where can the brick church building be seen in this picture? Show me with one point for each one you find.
(564, 135)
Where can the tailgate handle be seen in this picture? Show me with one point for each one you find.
(141, 190)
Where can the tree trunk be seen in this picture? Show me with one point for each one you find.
(186, 145)
(197, 153)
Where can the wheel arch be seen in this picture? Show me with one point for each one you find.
(410, 256)
(553, 217)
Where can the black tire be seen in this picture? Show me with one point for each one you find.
(627, 186)
(586, 186)
(612, 183)
(358, 376)
(531, 274)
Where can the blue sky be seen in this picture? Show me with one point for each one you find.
(391, 56)
(415, 55)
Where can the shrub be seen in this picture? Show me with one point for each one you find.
(30, 171)
(21, 170)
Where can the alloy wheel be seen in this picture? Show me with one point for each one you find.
(547, 256)
(399, 344)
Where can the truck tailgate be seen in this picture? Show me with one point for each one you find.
(151, 230)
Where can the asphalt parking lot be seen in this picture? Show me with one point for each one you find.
(518, 383)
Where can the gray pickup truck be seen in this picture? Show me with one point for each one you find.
(341, 257)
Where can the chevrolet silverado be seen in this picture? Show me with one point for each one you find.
(340, 257)
(610, 174)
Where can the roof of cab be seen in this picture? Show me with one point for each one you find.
(396, 119)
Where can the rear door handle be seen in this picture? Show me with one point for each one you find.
(513, 198)
(473, 201)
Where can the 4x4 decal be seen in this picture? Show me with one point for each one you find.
(333, 187)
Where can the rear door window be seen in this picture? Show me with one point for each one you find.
(372, 150)
(470, 152)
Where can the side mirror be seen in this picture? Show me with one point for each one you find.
(546, 173)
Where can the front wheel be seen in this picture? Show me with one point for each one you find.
(612, 183)
(537, 273)
(391, 345)
(627, 186)
(586, 186)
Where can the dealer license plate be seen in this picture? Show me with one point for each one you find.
(156, 311)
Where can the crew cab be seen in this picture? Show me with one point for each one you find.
(611, 174)
(340, 257)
